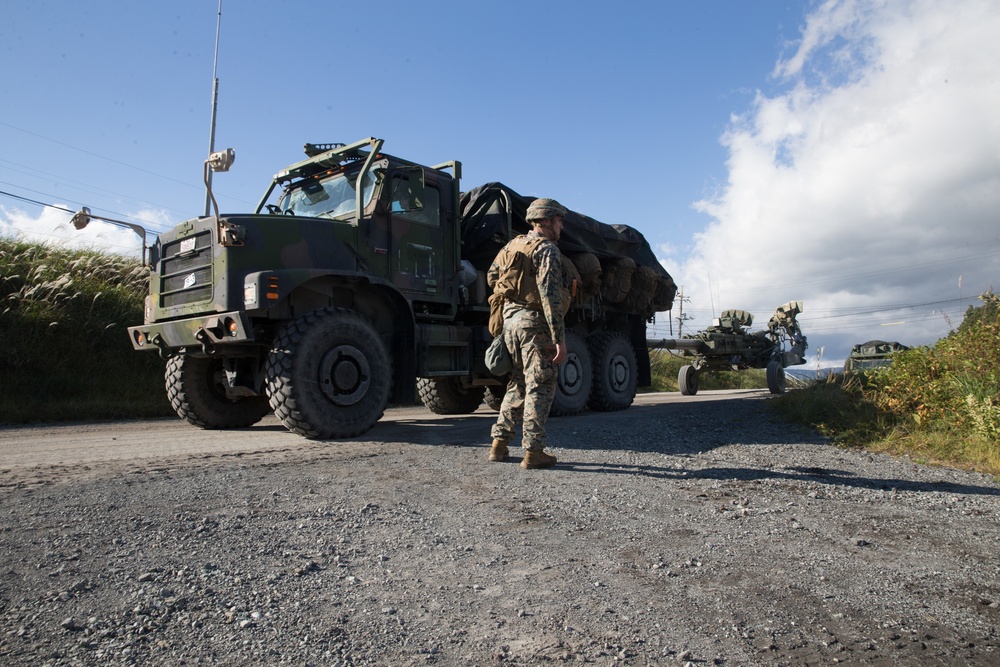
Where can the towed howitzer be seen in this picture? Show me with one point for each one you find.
(730, 345)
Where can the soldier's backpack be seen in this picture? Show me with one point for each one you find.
(516, 281)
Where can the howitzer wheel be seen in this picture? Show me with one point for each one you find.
(196, 389)
(446, 396)
(329, 374)
(776, 377)
(575, 379)
(687, 380)
(615, 371)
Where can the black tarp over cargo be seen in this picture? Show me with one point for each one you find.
(485, 231)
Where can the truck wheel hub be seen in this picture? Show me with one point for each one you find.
(570, 376)
(619, 372)
(344, 375)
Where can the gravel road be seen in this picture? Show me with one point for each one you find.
(683, 531)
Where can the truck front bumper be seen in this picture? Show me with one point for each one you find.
(207, 333)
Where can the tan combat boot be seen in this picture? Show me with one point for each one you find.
(498, 452)
(537, 459)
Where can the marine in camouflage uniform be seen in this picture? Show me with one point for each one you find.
(535, 334)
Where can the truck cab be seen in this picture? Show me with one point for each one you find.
(349, 235)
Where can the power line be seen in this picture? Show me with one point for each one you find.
(86, 187)
(889, 308)
(60, 208)
(33, 201)
(842, 276)
(102, 157)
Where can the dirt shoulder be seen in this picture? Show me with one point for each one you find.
(678, 531)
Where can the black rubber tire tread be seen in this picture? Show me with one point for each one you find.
(494, 397)
(295, 385)
(579, 364)
(446, 396)
(611, 352)
(687, 380)
(197, 398)
(775, 377)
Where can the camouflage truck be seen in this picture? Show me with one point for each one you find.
(872, 354)
(730, 345)
(359, 280)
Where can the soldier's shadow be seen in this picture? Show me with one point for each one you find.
(677, 430)
(830, 477)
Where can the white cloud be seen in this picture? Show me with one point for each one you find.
(873, 180)
(52, 225)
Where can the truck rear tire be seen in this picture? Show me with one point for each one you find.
(447, 396)
(687, 380)
(196, 389)
(329, 374)
(575, 379)
(615, 371)
(776, 377)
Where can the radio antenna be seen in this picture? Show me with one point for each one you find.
(215, 106)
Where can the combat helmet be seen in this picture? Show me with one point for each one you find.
(543, 209)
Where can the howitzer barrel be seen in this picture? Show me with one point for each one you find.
(677, 344)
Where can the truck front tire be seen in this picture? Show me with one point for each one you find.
(196, 389)
(329, 375)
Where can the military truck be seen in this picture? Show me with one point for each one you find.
(872, 354)
(728, 344)
(359, 280)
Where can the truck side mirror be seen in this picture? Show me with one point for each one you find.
(221, 160)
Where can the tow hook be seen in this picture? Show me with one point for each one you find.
(161, 345)
(207, 346)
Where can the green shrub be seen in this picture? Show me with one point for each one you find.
(939, 403)
(665, 366)
(955, 383)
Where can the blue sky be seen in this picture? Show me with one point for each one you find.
(843, 153)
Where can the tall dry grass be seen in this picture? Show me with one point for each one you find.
(64, 350)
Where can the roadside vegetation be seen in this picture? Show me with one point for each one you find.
(938, 404)
(67, 357)
(66, 354)
(665, 366)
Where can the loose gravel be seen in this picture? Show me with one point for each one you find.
(685, 534)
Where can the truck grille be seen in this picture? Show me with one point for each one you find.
(186, 270)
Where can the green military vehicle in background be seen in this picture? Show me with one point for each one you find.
(359, 280)
(872, 354)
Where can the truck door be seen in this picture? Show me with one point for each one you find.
(420, 247)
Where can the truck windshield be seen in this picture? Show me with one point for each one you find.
(327, 198)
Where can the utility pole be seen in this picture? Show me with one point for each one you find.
(215, 106)
(681, 317)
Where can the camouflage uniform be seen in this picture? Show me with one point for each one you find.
(531, 336)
